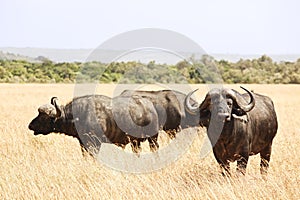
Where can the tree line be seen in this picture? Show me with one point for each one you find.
(205, 70)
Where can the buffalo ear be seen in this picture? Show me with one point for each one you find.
(243, 118)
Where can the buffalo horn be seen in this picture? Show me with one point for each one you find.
(242, 103)
(191, 109)
(58, 110)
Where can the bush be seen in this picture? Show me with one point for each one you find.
(205, 70)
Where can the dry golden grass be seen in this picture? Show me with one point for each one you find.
(52, 167)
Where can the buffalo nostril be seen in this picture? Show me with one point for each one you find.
(228, 118)
(224, 116)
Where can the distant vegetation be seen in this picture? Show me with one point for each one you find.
(206, 70)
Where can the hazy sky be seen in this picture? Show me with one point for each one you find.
(218, 26)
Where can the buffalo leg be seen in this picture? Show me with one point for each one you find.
(224, 163)
(153, 143)
(171, 133)
(225, 167)
(242, 164)
(136, 146)
(265, 155)
(243, 160)
(84, 151)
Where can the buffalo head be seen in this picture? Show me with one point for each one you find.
(44, 122)
(221, 105)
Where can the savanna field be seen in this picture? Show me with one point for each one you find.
(52, 166)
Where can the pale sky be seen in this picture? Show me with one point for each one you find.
(218, 26)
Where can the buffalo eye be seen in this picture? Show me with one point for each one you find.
(239, 111)
(229, 102)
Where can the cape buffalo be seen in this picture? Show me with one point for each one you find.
(93, 119)
(238, 129)
(169, 105)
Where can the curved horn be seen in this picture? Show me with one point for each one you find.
(242, 103)
(251, 104)
(58, 110)
(191, 109)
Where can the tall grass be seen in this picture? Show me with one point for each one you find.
(52, 167)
